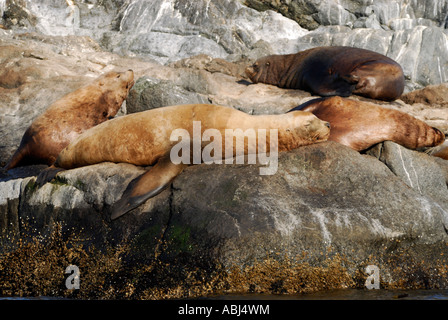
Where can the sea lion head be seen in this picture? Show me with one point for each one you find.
(115, 87)
(304, 128)
(266, 70)
(438, 136)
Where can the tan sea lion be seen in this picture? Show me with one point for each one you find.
(68, 117)
(359, 125)
(332, 71)
(145, 139)
(442, 153)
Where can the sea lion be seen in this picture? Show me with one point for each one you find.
(68, 117)
(332, 71)
(144, 139)
(360, 125)
(441, 153)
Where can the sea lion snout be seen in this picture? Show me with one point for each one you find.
(440, 136)
(327, 130)
(129, 78)
(321, 128)
(250, 71)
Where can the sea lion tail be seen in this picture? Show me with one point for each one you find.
(47, 175)
(146, 186)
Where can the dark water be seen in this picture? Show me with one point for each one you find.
(343, 294)
(347, 294)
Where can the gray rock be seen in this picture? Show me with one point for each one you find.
(407, 23)
(78, 199)
(166, 30)
(416, 169)
(347, 11)
(330, 13)
(324, 199)
(170, 30)
(61, 18)
(325, 191)
(149, 93)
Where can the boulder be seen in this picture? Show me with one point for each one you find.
(149, 93)
(325, 200)
(322, 196)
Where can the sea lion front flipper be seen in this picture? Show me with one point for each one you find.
(351, 78)
(329, 84)
(146, 186)
(47, 175)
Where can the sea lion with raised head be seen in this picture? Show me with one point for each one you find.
(332, 71)
(145, 139)
(68, 117)
(360, 125)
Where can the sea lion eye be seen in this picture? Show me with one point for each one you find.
(119, 76)
(268, 64)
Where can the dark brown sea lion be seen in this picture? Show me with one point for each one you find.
(145, 139)
(68, 117)
(332, 71)
(360, 125)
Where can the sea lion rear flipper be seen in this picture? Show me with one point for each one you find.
(146, 186)
(18, 157)
(47, 175)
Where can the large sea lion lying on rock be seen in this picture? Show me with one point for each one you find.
(332, 71)
(68, 117)
(145, 139)
(360, 125)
